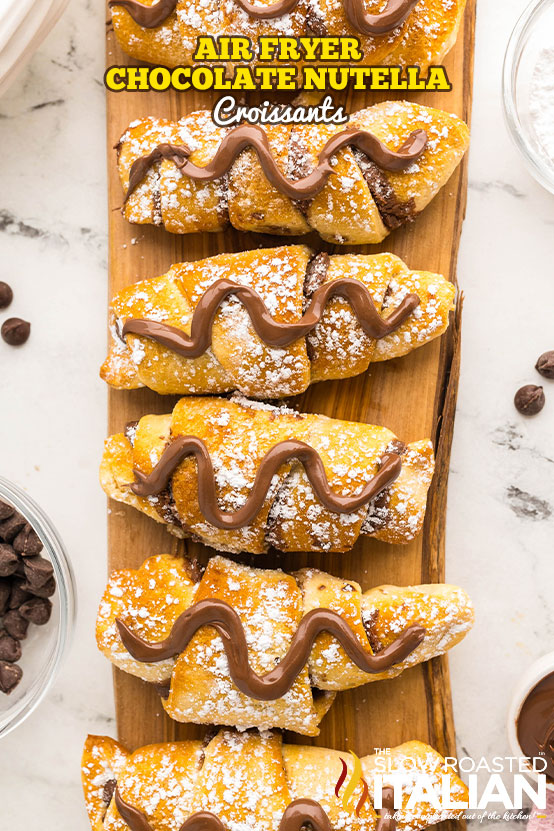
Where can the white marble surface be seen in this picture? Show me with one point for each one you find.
(53, 250)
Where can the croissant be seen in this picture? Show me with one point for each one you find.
(335, 177)
(249, 781)
(169, 334)
(262, 612)
(419, 33)
(241, 476)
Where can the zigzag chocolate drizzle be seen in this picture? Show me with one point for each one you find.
(295, 816)
(279, 680)
(251, 135)
(394, 14)
(269, 330)
(183, 446)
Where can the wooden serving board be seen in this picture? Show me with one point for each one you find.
(414, 396)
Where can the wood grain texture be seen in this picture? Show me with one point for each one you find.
(415, 396)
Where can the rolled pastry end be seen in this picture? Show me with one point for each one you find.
(397, 515)
(140, 600)
(116, 474)
(429, 321)
(101, 764)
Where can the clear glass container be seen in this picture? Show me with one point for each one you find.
(532, 35)
(44, 646)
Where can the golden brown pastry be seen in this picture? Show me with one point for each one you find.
(423, 38)
(229, 354)
(360, 202)
(248, 780)
(257, 493)
(422, 621)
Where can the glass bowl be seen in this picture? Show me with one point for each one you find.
(44, 646)
(532, 36)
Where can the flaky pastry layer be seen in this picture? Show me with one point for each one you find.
(360, 203)
(270, 605)
(285, 278)
(248, 779)
(238, 433)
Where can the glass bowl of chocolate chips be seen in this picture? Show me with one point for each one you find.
(37, 605)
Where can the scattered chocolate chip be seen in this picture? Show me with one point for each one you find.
(16, 625)
(18, 595)
(5, 511)
(108, 791)
(28, 543)
(10, 527)
(15, 331)
(10, 649)
(36, 610)
(5, 591)
(10, 676)
(529, 400)
(47, 590)
(37, 571)
(545, 364)
(8, 560)
(6, 295)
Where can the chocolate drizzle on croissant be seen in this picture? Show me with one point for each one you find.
(279, 680)
(182, 446)
(251, 135)
(272, 332)
(394, 14)
(297, 815)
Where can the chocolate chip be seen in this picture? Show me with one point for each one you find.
(5, 511)
(18, 595)
(27, 543)
(529, 400)
(6, 295)
(108, 791)
(15, 331)
(37, 571)
(15, 625)
(10, 527)
(47, 590)
(545, 364)
(10, 676)
(36, 610)
(5, 590)
(8, 560)
(10, 649)
(163, 688)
